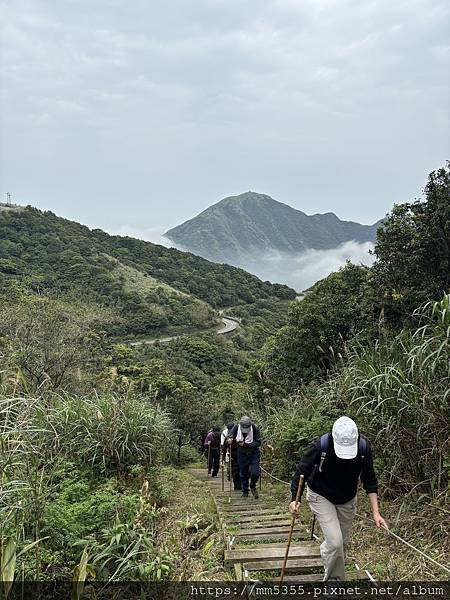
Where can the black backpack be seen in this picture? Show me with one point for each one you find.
(325, 440)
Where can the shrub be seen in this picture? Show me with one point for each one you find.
(55, 454)
(189, 455)
(290, 428)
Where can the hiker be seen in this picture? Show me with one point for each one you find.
(212, 441)
(230, 451)
(247, 437)
(331, 467)
(203, 447)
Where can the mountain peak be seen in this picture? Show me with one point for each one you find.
(249, 196)
(246, 226)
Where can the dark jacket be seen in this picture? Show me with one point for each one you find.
(214, 440)
(256, 439)
(338, 481)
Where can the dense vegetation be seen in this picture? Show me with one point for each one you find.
(411, 268)
(91, 428)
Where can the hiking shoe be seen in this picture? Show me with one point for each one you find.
(245, 494)
(331, 589)
(255, 493)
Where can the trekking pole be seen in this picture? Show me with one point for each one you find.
(209, 452)
(260, 478)
(312, 527)
(223, 476)
(231, 471)
(297, 499)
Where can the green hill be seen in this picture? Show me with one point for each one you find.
(149, 287)
(239, 228)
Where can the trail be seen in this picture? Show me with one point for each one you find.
(255, 534)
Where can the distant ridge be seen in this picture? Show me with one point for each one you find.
(239, 228)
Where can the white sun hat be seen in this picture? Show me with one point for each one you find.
(345, 437)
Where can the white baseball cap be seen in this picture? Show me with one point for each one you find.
(345, 437)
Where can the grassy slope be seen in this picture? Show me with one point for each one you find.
(139, 282)
(191, 524)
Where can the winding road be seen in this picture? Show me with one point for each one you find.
(229, 325)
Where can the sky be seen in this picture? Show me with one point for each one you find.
(134, 116)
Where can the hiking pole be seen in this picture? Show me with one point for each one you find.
(260, 478)
(297, 499)
(312, 527)
(231, 471)
(209, 452)
(223, 476)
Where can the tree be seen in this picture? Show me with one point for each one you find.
(51, 342)
(317, 328)
(413, 251)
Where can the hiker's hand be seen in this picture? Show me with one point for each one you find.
(241, 444)
(229, 441)
(379, 521)
(294, 508)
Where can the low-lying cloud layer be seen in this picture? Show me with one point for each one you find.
(148, 234)
(300, 271)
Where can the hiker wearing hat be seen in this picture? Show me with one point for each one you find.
(247, 436)
(332, 466)
(230, 450)
(213, 441)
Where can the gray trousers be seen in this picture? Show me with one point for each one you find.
(335, 521)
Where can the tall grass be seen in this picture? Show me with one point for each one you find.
(108, 433)
(398, 391)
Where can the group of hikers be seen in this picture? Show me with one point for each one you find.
(240, 444)
(331, 468)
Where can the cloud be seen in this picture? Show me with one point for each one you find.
(300, 271)
(329, 105)
(154, 235)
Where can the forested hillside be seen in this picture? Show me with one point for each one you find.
(94, 430)
(149, 288)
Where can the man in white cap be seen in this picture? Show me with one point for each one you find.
(332, 466)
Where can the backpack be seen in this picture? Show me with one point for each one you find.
(324, 441)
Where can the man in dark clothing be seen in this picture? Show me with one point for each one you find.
(332, 466)
(212, 441)
(247, 437)
(231, 450)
